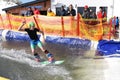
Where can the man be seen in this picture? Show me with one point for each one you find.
(29, 12)
(86, 12)
(36, 11)
(71, 11)
(34, 40)
(117, 23)
(62, 11)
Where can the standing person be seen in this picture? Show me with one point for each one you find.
(34, 40)
(50, 12)
(117, 23)
(101, 13)
(86, 12)
(62, 11)
(29, 12)
(71, 11)
(36, 11)
(92, 14)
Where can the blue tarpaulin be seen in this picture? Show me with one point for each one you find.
(71, 42)
(108, 47)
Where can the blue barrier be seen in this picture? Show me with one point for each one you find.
(104, 47)
(71, 42)
(108, 47)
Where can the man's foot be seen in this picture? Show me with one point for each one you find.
(50, 57)
(37, 57)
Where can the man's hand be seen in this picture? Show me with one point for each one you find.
(42, 39)
(24, 22)
(20, 27)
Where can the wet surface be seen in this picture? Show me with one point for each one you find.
(80, 64)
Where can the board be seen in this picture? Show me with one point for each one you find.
(55, 62)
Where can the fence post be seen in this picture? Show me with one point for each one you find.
(63, 30)
(9, 21)
(78, 29)
(109, 36)
(2, 21)
(36, 22)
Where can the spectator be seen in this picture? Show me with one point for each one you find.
(113, 21)
(117, 23)
(50, 12)
(101, 13)
(29, 12)
(86, 12)
(62, 12)
(36, 11)
(104, 14)
(71, 11)
(92, 14)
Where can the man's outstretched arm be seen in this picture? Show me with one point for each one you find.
(21, 26)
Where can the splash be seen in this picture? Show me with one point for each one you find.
(22, 57)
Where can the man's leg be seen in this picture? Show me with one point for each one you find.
(49, 55)
(39, 44)
(33, 46)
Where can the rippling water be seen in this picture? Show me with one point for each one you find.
(16, 63)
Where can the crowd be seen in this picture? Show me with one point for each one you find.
(90, 14)
(63, 12)
(31, 11)
(115, 22)
(87, 13)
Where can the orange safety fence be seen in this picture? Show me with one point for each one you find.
(66, 26)
(16, 21)
(1, 22)
(5, 24)
(50, 25)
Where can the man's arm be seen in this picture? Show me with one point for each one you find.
(41, 32)
(42, 36)
(21, 26)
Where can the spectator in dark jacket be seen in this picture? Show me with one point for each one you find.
(92, 14)
(86, 12)
(62, 12)
(29, 12)
(71, 11)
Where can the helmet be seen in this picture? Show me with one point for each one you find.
(31, 24)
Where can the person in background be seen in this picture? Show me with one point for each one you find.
(117, 23)
(62, 12)
(36, 11)
(29, 12)
(101, 13)
(50, 12)
(34, 40)
(92, 14)
(86, 12)
(71, 11)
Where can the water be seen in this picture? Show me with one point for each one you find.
(16, 63)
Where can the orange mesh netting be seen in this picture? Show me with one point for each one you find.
(68, 26)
